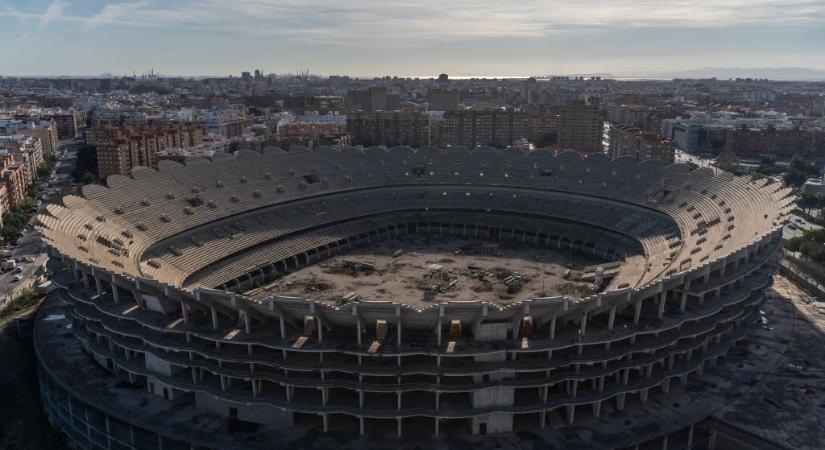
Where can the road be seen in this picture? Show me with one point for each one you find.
(800, 226)
(30, 244)
(685, 157)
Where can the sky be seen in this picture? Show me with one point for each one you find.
(407, 37)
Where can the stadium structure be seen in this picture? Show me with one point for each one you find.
(408, 294)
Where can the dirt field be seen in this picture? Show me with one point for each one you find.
(418, 271)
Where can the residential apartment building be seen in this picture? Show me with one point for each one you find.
(375, 98)
(4, 200)
(580, 128)
(389, 128)
(46, 131)
(119, 149)
(443, 99)
(775, 143)
(15, 178)
(311, 134)
(627, 140)
(496, 127)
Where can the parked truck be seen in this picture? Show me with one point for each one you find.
(9, 264)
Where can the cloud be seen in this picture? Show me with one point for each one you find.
(432, 19)
(117, 13)
(369, 22)
(20, 16)
(53, 12)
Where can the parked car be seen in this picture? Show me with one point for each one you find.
(17, 277)
(18, 269)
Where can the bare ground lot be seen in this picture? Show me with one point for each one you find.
(420, 270)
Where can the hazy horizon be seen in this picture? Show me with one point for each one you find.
(366, 39)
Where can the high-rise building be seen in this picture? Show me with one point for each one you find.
(580, 128)
(370, 99)
(443, 99)
(497, 127)
(389, 128)
(775, 143)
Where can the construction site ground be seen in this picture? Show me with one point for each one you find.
(421, 270)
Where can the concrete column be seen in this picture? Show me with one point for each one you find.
(662, 302)
(597, 407)
(553, 327)
(184, 312)
(108, 432)
(574, 388)
(583, 326)
(436, 427)
(398, 327)
(690, 436)
(361, 425)
(320, 328)
(620, 401)
(612, 318)
(666, 386)
(214, 318)
(638, 313)
(399, 427)
(643, 395)
(438, 327)
(683, 304)
(712, 440)
(664, 443)
(115, 295)
(283, 326)
(571, 413)
(246, 323)
(326, 422)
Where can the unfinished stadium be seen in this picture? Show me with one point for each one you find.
(400, 293)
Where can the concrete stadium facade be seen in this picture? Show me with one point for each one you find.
(162, 264)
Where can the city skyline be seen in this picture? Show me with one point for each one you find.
(360, 38)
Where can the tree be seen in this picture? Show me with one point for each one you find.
(727, 161)
(809, 200)
(795, 179)
(86, 168)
